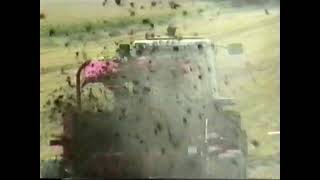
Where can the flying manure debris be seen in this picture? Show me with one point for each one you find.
(67, 44)
(88, 28)
(77, 54)
(255, 143)
(132, 4)
(133, 86)
(62, 71)
(171, 30)
(52, 32)
(153, 3)
(174, 5)
(200, 10)
(42, 16)
(146, 21)
(118, 2)
(131, 32)
(104, 2)
(132, 13)
(184, 13)
(149, 35)
(114, 33)
(151, 26)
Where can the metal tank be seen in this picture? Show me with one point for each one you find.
(163, 118)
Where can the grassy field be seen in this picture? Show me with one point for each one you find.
(252, 78)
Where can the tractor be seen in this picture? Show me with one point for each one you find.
(165, 119)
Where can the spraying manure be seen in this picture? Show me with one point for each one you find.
(152, 112)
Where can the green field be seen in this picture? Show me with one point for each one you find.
(252, 79)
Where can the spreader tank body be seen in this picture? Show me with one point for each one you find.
(159, 116)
